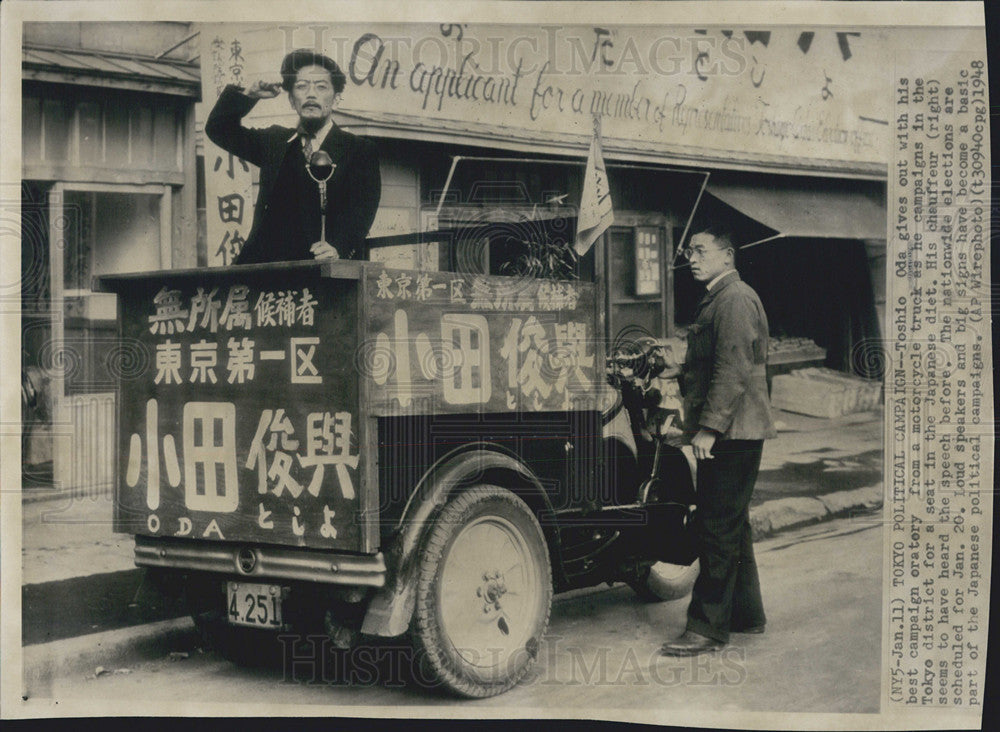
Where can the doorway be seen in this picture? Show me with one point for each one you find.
(79, 231)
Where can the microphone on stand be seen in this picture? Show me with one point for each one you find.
(320, 168)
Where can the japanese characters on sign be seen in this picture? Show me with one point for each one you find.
(207, 470)
(228, 179)
(479, 343)
(245, 427)
(647, 262)
(248, 425)
(231, 313)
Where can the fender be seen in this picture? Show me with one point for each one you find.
(391, 609)
(615, 423)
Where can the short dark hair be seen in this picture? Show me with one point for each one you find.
(721, 235)
(302, 57)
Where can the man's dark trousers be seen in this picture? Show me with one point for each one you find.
(726, 596)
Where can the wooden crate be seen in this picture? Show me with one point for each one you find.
(812, 397)
(869, 391)
(822, 392)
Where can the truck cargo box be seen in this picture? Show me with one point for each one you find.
(251, 413)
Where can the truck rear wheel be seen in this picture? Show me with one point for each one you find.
(484, 593)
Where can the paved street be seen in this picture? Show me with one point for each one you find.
(79, 577)
(813, 456)
(822, 588)
(71, 537)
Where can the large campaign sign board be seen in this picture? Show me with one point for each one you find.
(449, 343)
(245, 423)
(251, 414)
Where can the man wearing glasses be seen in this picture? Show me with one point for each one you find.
(287, 220)
(728, 416)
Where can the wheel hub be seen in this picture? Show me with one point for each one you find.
(488, 592)
(491, 590)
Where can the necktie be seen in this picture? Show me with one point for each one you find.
(307, 145)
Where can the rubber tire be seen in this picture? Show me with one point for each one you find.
(435, 652)
(664, 581)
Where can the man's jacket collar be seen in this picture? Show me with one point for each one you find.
(727, 279)
(334, 145)
(329, 131)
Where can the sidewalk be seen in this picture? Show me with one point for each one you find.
(818, 469)
(78, 577)
(70, 536)
(814, 470)
(813, 456)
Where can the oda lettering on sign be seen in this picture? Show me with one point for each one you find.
(289, 461)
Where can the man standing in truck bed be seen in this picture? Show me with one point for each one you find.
(728, 414)
(286, 221)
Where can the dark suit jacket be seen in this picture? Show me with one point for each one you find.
(724, 380)
(353, 191)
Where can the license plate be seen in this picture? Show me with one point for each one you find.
(254, 605)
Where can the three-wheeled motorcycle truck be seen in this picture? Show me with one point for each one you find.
(372, 451)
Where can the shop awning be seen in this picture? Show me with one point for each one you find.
(111, 70)
(810, 211)
(575, 144)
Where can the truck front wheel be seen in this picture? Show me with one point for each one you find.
(484, 593)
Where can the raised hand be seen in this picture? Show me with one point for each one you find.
(264, 90)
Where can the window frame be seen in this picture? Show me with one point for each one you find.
(58, 293)
(634, 222)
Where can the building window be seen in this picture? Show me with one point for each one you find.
(96, 230)
(638, 280)
(69, 332)
(108, 232)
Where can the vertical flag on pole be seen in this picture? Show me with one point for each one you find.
(596, 213)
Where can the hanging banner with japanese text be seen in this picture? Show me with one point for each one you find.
(228, 179)
(768, 98)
